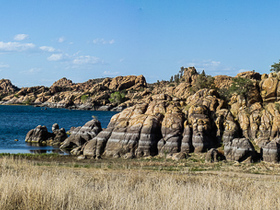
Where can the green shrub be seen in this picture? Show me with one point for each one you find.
(203, 81)
(117, 97)
(277, 107)
(241, 86)
(84, 98)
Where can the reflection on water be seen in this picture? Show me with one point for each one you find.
(44, 151)
(37, 148)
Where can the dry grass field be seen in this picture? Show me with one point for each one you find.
(54, 182)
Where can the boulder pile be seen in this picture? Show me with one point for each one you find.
(171, 118)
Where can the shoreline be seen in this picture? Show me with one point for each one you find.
(97, 108)
(106, 108)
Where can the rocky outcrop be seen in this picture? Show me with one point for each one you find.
(202, 136)
(7, 87)
(161, 127)
(133, 132)
(249, 75)
(271, 151)
(127, 82)
(269, 87)
(190, 75)
(80, 135)
(186, 145)
(223, 81)
(40, 135)
(171, 130)
(239, 149)
(169, 119)
(91, 95)
(59, 135)
(62, 83)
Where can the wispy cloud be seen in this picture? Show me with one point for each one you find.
(211, 67)
(205, 64)
(15, 46)
(109, 73)
(243, 70)
(32, 71)
(86, 59)
(103, 41)
(47, 49)
(57, 57)
(20, 37)
(61, 39)
(4, 66)
(74, 61)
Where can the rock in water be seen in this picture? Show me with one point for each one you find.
(81, 135)
(59, 135)
(39, 134)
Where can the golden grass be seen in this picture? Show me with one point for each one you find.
(26, 185)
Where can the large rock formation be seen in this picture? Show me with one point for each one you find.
(93, 94)
(80, 135)
(133, 132)
(168, 118)
(160, 127)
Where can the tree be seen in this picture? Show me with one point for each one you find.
(203, 73)
(171, 79)
(177, 78)
(275, 67)
(181, 72)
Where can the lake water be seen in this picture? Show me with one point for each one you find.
(16, 121)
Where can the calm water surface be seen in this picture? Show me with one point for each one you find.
(16, 121)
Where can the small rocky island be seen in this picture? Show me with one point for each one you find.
(233, 118)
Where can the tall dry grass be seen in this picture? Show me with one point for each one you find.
(25, 185)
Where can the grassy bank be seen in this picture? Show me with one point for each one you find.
(55, 182)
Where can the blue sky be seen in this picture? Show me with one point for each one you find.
(43, 41)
